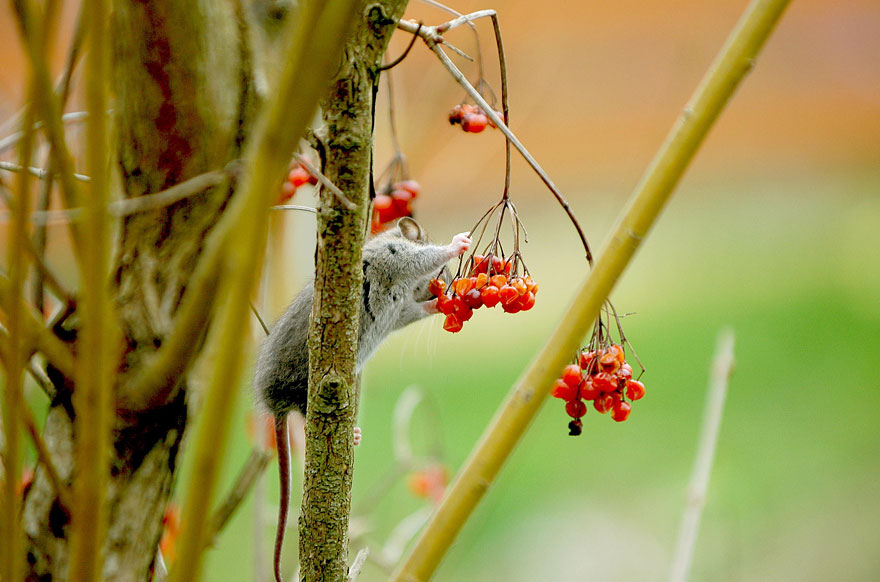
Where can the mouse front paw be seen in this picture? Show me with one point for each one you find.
(460, 243)
(357, 435)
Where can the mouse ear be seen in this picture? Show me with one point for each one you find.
(409, 228)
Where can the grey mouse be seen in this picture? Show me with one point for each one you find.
(398, 264)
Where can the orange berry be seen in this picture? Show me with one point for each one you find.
(571, 375)
(462, 285)
(490, 296)
(498, 280)
(562, 390)
(452, 323)
(635, 390)
(436, 287)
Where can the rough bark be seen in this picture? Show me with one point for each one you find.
(347, 142)
(182, 83)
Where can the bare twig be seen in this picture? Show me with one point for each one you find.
(340, 196)
(35, 335)
(45, 458)
(431, 37)
(247, 477)
(722, 368)
(41, 173)
(355, 569)
(12, 139)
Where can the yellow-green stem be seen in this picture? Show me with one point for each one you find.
(94, 365)
(320, 30)
(11, 558)
(512, 419)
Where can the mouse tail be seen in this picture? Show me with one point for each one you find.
(283, 447)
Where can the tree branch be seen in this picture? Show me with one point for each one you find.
(333, 337)
(522, 404)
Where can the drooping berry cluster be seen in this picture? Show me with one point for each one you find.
(395, 204)
(488, 283)
(297, 176)
(471, 117)
(603, 377)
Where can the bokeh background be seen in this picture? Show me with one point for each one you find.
(774, 231)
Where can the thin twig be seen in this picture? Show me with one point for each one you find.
(432, 39)
(247, 477)
(398, 60)
(35, 335)
(41, 173)
(357, 565)
(45, 458)
(43, 270)
(294, 207)
(340, 196)
(12, 139)
(722, 368)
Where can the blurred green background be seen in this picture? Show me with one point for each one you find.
(774, 231)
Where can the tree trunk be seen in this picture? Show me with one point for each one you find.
(183, 102)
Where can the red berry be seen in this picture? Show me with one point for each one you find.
(575, 408)
(481, 264)
(460, 309)
(604, 382)
(563, 390)
(513, 307)
(608, 361)
(410, 186)
(298, 176)
(499, 265)
(455, 115)
(588, 392)
(508, 295)
(620, 411)
(527, 301)
(481, 281)
(436, 287)
(473, 299)
(452, 324)
(474, 122)
(519, 285)
(490, 296)
(635, 390)
(585, 360)
(625, 372)
(444, 304)
(571, 375)
(384, 209)
(604, 403)
(400, 200)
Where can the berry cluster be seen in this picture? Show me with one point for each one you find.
(394, 205)
(489, 283)
(472, 118)
(602, 376)
(297, 176)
